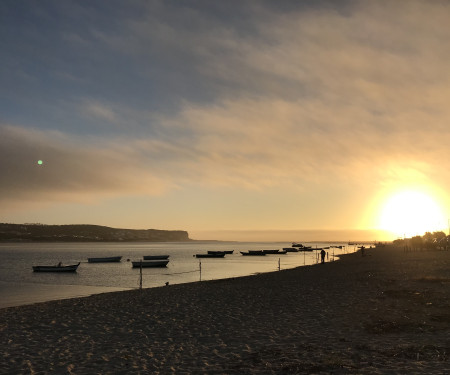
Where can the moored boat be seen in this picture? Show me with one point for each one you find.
(155, 257)
(220, 251)
(291, 249)
(270, 251)
(150, 263)
(57, 268)
(219, 254)
(253, 252)
(105, 259)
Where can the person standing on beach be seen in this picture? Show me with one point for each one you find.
(322, 254)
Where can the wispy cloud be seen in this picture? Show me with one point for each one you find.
(99, 111)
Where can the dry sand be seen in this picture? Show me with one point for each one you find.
(387, 312)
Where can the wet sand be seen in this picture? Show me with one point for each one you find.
(387, 312)
(15, 294)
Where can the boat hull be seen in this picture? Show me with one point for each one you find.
(70, 268)
(105, 259)
(220, 251)
(156, 257)
(291, 249)
(214, 255)
(253, 253)
(272, 251)
(150, 263)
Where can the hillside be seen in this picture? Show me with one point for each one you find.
(85, 233)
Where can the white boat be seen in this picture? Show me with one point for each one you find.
(150, 263)
(156, 257)
(57, 268)
(105, 259)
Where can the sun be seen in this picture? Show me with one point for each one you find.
(411, 213)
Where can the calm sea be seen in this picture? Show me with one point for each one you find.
(19, 285)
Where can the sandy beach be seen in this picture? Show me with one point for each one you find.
(387, 312)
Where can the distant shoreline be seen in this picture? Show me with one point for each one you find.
(97, 241)
(85, 233)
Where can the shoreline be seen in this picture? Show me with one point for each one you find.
(26, 293)
(385, 312)
(35, 288)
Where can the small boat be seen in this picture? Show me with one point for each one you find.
(156, 257)
(296, 244)
(276, 251)
(291, 249)
(219, 254)
(57, 268)
(150, 263)
(105, 259)
(220, 251)
(253, 252)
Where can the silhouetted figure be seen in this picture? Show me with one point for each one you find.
(362, 250)
(322, 254)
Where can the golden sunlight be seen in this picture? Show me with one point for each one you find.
(411, 213)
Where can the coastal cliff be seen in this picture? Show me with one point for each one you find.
(85, 233)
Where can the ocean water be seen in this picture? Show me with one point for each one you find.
(19, 285)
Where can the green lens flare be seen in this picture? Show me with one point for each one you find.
(40, 162)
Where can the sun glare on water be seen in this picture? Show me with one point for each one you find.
(411, 213)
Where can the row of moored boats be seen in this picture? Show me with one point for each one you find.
(147, 261)
(162, 260)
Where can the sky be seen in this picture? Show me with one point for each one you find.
(228, 119)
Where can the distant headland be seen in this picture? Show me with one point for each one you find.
(85, 233)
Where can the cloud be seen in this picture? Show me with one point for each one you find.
(72, 170)
(207, 96)
(268, 143)
(99, 111)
